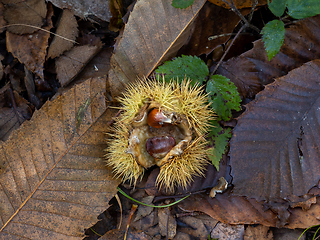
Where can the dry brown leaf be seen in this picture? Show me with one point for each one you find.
(12, 114)
(258, 232)
(68, 28)
(97, 67)
(274, 149)
(69, 65)
(239, 3)
(30, 49)
(54, 183)
(30, 12)
(224, 231)
(84, 9)
(167, 223)
(154, 32)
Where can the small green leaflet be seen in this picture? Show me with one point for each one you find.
(219, 138)
(224, 96)
(182, 3)
(273, 36)
(299, 9)
(185, 66)
(277, 7)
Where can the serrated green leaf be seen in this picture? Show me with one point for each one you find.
(273, 36)
(303, 8)
(220, 138)
(277, 7)
(224, 96)
(182, 3)
(185, 66)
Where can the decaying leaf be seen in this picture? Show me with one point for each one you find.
(69, 65)
(67, 28)
(14, 110)
(258, 232)
(275, 148)
(2, 21)
(54, 183)
(30, 49)
(30, 12)
(154, 32)
(86, 9)
(251, 70)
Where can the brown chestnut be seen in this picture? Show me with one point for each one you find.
(157, 119)
(158, 147)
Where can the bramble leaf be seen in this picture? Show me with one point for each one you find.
(224, 96)
(303, 9)
(185, 66)
(277, 7)
(219, 138)
(273, 36)
(182, 3)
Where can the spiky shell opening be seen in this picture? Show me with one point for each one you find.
(187, 109)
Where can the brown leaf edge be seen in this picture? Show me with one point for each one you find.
(53, 182)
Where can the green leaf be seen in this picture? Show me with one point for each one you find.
(303, 8)
(273, 36)
(277, 7)
(185, 66)
(182, 3)
(224, 96)
(220, 138)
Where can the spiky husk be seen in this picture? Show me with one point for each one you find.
(124, 165)
(181, 98)
(180, 170)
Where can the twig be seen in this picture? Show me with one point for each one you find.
(45, 30)
(234, 9)
(225, 53)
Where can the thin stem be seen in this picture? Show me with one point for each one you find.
(144, 204)
(226, 52)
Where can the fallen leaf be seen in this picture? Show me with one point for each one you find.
(54, 183)
(274, 149)
(30, 49)
(12, 114)
(154, 32)
(2, 21)
(85, 9)
(224, 231)
(30, 12)
(70, 64)
(252, 70)
(167, 223)
(258, 232)
(67, 28)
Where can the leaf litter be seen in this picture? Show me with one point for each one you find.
(249, 90)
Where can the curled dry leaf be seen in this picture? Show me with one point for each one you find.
(154, 32)
(67, 28)
(30, 49)
(69, 65)
(30, 12)
(274, 148)
(53, 182)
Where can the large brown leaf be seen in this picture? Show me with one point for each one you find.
(154, 32)
(53, 182)
(275, 146)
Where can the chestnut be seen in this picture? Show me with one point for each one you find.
(158, 147)
(157, 119)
